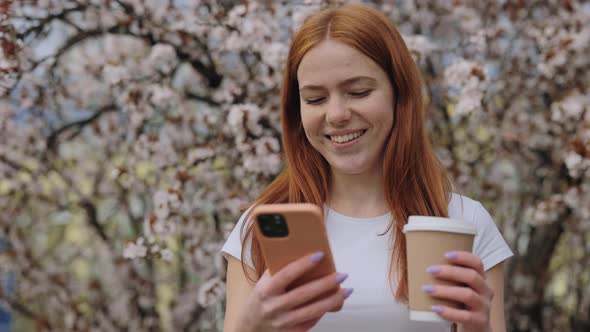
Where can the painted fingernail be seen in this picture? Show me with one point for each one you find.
(433, 269)
(317, 257)
(347, 292)
(437, 309)
(451, 255)
(428, 288)
(341, 277)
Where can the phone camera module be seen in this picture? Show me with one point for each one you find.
(273, 225)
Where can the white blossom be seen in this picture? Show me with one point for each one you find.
(211, 291)
(116, 74)
(162, 58)
(161, 198)
(164, 119)
(199, 154)
(135, 249)
(167, 255)
(163, 97)
(420, 44)
(570, 108)
(576, 164)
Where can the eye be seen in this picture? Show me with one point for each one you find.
(314, 101)
(362, 93)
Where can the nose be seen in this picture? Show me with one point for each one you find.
(337, 112)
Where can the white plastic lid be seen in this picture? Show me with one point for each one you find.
(427, 316)
(440, 224)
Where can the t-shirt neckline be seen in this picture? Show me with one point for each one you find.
(341, 217)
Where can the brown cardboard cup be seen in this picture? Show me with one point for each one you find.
(427, 240)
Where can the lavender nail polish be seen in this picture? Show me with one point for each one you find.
(428, 288)
(341, 277)
(317, 257)
(437, 309)
(347, 292)
(433, 269)
(451, 255)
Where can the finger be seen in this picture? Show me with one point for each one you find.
(265, 276)
(463, 275)
(457, 294)
(285, 276)
(466, 317)
(306, 326)
(312, 310)
(263, 284)
(309, 291)
(466, 259)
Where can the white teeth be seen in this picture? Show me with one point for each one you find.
(346, 138)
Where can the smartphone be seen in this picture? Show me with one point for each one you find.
(287, 232)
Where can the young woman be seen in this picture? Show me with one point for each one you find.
(355, 144)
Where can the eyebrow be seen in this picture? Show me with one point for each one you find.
(348, 81)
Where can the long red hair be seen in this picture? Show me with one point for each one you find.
(415, 183)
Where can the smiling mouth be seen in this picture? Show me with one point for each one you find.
(346, 138)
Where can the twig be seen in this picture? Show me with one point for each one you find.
(52, 140)
(45, 20)
(20, 308)
(92, 218)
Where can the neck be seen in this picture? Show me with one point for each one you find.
(358, 195)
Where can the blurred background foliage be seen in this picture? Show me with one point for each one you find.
(131, 132)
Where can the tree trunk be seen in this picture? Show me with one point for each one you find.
(527, 279)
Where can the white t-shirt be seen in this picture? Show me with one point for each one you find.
(359, 251)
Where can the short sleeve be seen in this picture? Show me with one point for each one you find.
(489, 245)
(233, 244)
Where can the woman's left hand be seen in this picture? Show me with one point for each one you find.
(475, 293)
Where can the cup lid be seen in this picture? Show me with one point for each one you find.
(440, 224)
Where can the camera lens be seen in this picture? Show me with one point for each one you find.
(273, 225)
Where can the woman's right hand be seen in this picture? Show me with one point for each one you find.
(271, 307)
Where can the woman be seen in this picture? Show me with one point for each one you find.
(355, 143)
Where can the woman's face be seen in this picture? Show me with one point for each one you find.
(346, 107)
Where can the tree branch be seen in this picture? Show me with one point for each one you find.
(210, 72)
(92, 218)
(52, 140)
(206, 99)
(46, 20)
(15, 165)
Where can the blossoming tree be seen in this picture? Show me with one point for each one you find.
(132, 131)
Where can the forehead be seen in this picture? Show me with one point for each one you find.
(332, 62)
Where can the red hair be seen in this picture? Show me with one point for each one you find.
(415, 183)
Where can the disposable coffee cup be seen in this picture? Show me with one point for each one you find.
(427, 240)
